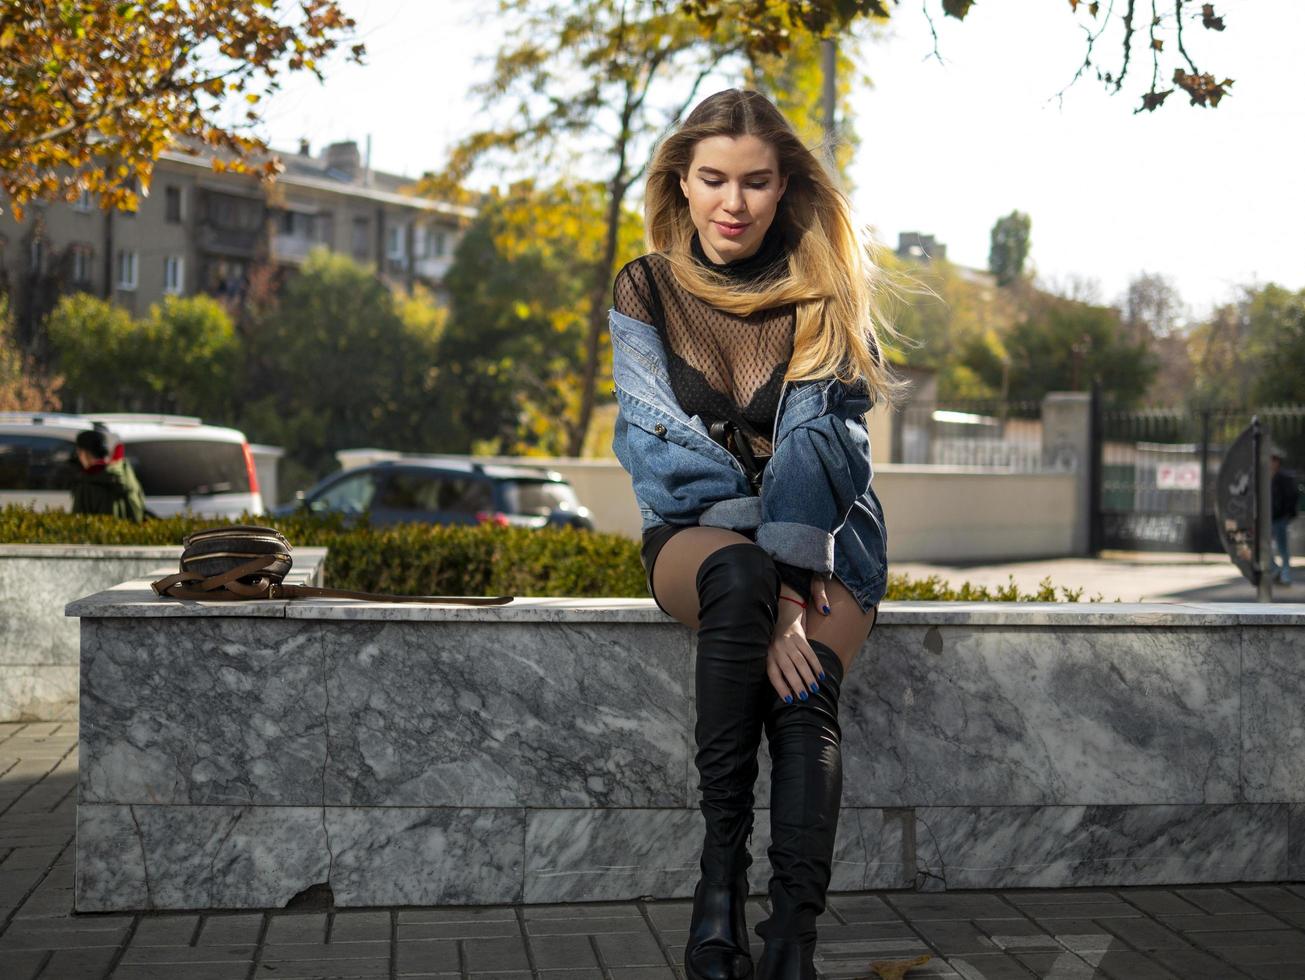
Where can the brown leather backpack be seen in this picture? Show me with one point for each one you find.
(247, 561)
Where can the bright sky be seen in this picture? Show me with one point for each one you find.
(1208, 198)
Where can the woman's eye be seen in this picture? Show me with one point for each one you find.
(717, 183)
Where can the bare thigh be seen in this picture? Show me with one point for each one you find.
(675, 572)
(846, 627)
(675, 582)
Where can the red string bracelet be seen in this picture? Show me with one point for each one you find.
(791, 599)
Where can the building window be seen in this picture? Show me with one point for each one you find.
(394, 241)
(126, 269)
(81, 264)
(440, 242)
(174, 274)
(36, 256)
(361, 244)
(85, 202)
(172, 205)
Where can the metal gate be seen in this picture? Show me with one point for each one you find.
(1154, 471)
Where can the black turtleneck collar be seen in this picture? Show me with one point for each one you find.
(757, 265)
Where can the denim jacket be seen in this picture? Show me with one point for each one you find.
(817, 508)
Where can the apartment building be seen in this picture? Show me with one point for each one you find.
(199, 230)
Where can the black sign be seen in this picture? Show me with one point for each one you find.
(1235, 494)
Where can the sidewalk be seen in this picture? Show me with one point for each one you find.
(1130, 576)
(1189, 933)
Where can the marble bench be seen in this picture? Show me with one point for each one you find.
(39, 645)
(235, 755)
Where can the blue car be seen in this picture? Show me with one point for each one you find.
(440, 491)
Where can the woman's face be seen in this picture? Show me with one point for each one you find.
(733, 188)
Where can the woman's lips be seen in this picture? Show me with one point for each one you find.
(731, 230)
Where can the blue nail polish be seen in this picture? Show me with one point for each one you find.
(820, 676)
(826, 609)
(788, 699)
(802, 695)
(815, 688)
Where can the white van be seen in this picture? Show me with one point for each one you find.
(184, 466)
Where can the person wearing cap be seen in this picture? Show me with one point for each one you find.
(105, 486)
(1284, 496)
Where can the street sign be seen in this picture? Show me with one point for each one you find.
(1178, 476)
(1240, 505)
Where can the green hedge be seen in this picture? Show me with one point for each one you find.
(426, 559)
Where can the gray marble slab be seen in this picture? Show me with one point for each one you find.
(1073, 846)
(1273, 715)
(1296, 842)
(506, 715)
(202, 711)
(197, 857)
(425, 855)
(972, 716)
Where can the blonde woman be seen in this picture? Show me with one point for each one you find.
(745, 354)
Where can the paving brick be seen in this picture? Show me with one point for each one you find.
(594, 974)
(297, 928)
(1221, 923)
(494, 914)
(948, 906)
(988, 966)
(1081, 910)
(458, 930)
(1059, 896)
(329, 951)
(1144, 934)
(1124, 965)
(79, 963)
(1216, 901)
(578, 926)
(21, 964)
(188, 954)
(1061, 966)
(325, 969)
(1158, 901)
(1284, 940)
(168, 971)
(949, 936)
(230, 930)
(1271, 897)
(643, 973)
(427, 956)
(60, 934)
(580, 910)
(562, 953)
(21, 858)
(1194, 964)
(506, 954)
(165, 930)
(863, 908)
(1025, 941)
(625, 949)
(360, 927)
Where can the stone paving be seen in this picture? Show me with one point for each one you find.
(1191, 933)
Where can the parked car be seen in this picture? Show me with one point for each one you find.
(446, 491)
(184, 466)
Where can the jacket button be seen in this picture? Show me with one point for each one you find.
(659, 429)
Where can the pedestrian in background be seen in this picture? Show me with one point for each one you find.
(1284, 497)
(104, 485)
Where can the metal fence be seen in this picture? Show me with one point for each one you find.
(1003, 435)
(1157, 469)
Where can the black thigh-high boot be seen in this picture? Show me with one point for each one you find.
(738, 591)
(806, 788)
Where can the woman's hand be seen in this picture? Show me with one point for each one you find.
(819, 604)
(792, 666)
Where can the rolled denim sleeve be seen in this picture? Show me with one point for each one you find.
(672, 480)
(816, 473)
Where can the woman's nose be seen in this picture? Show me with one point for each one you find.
(733, 197)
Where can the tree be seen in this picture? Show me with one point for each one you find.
(769, 25)
(602, 76)
(519, 310)
(1062, 344)
(1009, 247)
(337, 361)
(94, 90)
(23, 386)
(191, 358)
(98, 348)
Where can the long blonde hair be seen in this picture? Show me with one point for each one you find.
(831, 277)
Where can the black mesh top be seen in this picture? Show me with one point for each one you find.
(721, 364)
